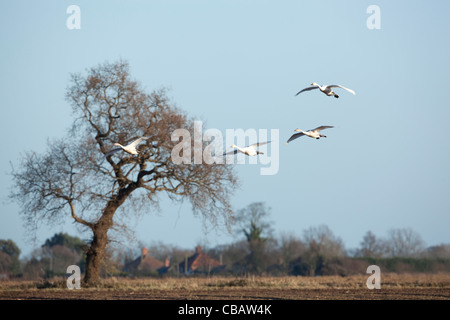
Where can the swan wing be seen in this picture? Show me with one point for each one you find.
(295, 136)
(306, 89)
(231, 152)
(112, 151)
(338, 86)
(258, 144)
(321, 128)
(137, 141)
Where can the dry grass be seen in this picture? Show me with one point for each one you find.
(214, 283)
(393, 287)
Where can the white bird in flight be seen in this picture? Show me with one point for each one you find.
(313, 133)
(130, 148)
(326, 89)
(249, 150)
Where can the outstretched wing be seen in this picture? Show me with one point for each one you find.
(307, 89)
(295, 136)
(338, 86)
(322, 128)
(231, 152)
(112, 151)
(259, 144)
(137, 141)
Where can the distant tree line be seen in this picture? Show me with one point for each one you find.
(317, 252)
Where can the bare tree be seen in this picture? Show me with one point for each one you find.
(57, 258)
(233, 255)
(75, 178)
(324, 241)
(440, 251)
(404, 243)
(322, 246)
(371, 246)
(290, 248)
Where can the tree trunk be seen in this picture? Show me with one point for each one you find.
(96, 251)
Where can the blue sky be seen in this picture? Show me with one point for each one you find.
(238, 64)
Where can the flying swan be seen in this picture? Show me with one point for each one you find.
(249, 150)
(326, 89)
(313, 133)
(131, 148)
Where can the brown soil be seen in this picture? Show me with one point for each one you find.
(393, 287)
(233, 294)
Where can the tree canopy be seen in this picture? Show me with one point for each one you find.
(75, 177)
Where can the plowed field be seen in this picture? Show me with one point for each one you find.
(393, 287)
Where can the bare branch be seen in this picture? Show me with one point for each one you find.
(74, 173)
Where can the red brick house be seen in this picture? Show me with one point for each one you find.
(199, 262)
(147, 265)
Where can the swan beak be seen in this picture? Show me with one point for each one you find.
(297, 130)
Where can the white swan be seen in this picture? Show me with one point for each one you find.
(130, 148)
(313, 133)
(249, 150)
(326, 89)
